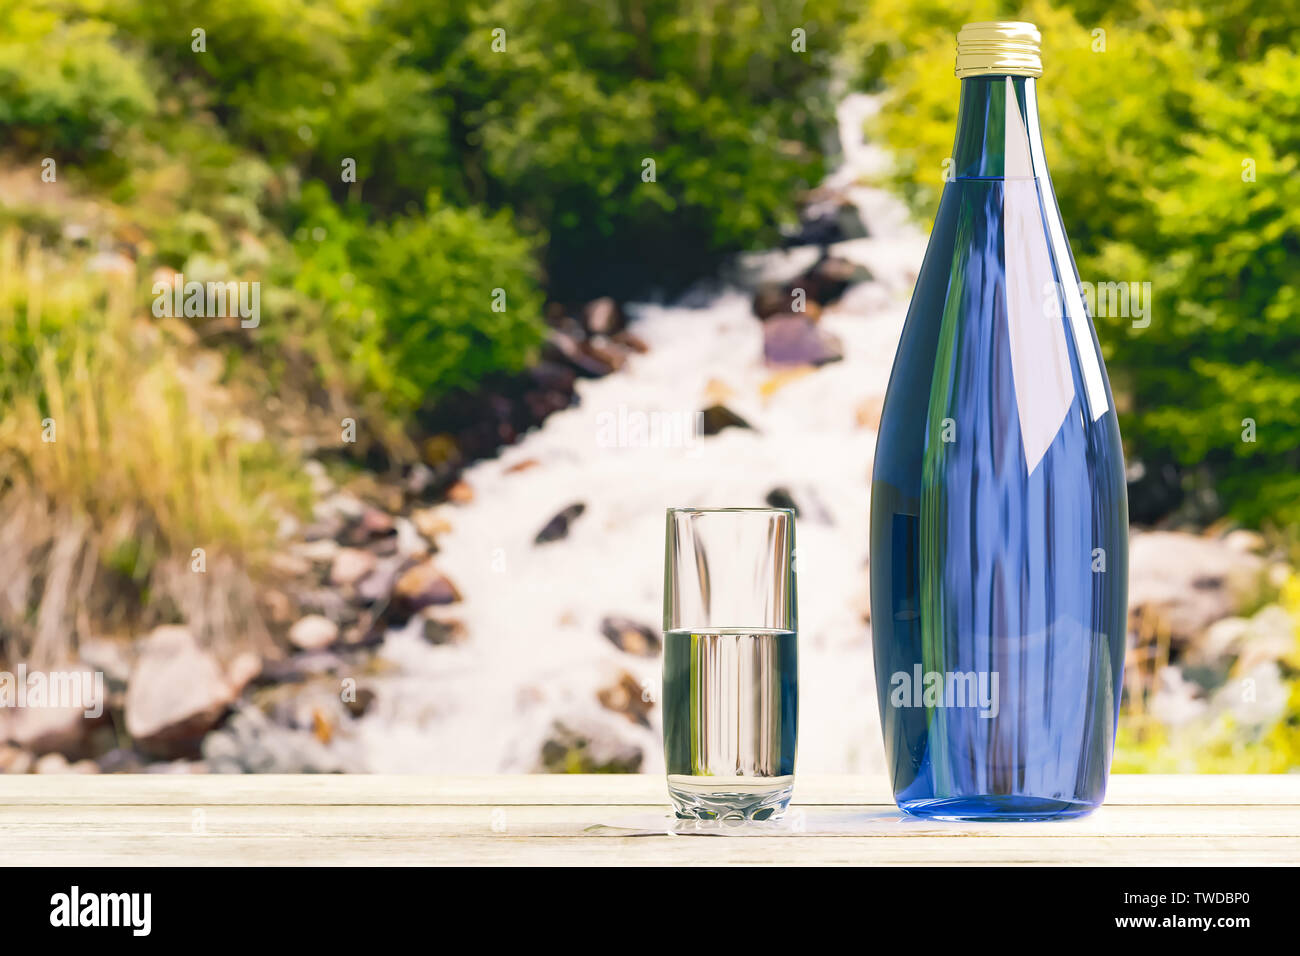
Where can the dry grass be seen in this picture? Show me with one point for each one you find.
(149, 461)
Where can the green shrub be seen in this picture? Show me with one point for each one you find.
(1146, 143)
(423, 304)
(65, 87)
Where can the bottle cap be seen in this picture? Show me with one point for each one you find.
(999, 47)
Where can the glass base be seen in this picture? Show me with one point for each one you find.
(995, 807)
(730, 798)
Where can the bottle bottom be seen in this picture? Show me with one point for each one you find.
(995, 807)
(730, 798)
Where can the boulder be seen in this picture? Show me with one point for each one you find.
(177, 693)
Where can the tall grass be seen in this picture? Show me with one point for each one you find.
(120, 456)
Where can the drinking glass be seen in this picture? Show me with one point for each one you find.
(730, 694)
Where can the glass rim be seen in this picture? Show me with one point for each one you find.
(708, 511)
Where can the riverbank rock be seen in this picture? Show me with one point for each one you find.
(61, 730)
(797, 340)
(252, 743)
(1185, 582)
(631, 637)
(775, 298)
(177, 692)
(558, 527)
(626, 696)
(586, 746)
(313, 632)
(603, 316)
(350, 566)
(717, 417)
(423, 585)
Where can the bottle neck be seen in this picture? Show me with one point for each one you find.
(998, 136)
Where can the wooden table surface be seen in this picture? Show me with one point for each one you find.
(557, 820)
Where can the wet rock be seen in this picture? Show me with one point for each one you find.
(63, 730)
(812, 508)
(558, 527)
(177, 692)
(110, 657)
(603, 316)
(631, 636)
(783, 299)
(350, 566)
(120, 760)
(1185, 582)
(423, 585)
(797, 340)
(717, 417)
(243, 669)
(440, 631)
(827, 219)
(313, 633)
(585, 746)
(358, 703)
(375, 524)
(826, 281)
(379, 583)
(461, 493)
(525, 465)
(420, 480)
(52, 763)
(301, 667)
(566, 348)
(251, 743)
(277, 605)
(781, 498)
(606, 352)
(553, 377)
(321, 551)
(287, 565)
(626, 696)
(368, 629)
(430, 522)
(631, 341)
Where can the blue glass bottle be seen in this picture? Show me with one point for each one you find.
(999, 515)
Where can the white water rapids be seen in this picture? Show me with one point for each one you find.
(534, 652)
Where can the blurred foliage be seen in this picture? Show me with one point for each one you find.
(549, 108)
(1148, 142)
(499, 144)
(119, 456)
